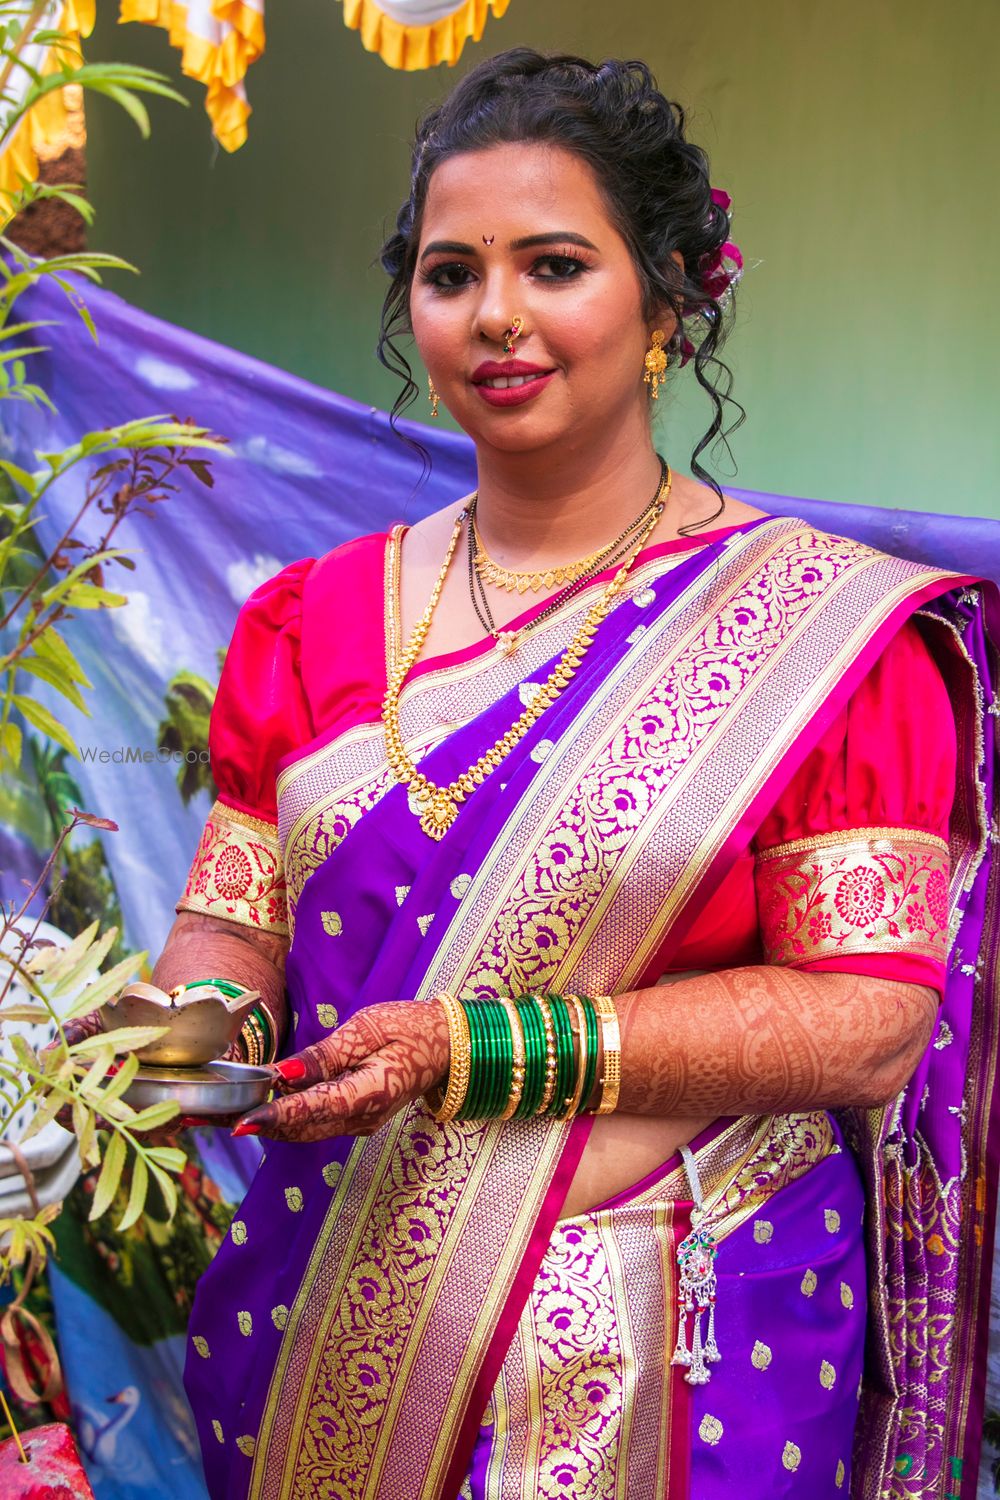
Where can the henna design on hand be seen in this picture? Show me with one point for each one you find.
(359, 1076)
(764, 1038)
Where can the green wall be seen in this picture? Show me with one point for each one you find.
(859, 142)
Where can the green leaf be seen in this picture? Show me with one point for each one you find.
(56, 961)
(40, 718)
(136, 1197)
(20, 476)
(170, 1157)
(46, 1112)
(167, 1187)
(88, 963)
(123, 1039)
(111, 1176)
(33, 1013)
(89, 596)
(51, 645)
(48, 672)
(155, 1115)
(106, 985)
(126, 1073)
(10, 744)
(97, 1072)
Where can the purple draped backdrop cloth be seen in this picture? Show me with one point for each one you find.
(306, 470)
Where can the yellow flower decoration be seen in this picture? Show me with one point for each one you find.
(827, 1375)
(326, 1015)
(846, 1295)
(460, 885)
(331, 1173)
(791, 1456)
(760, 1356)
(294, 1199)
(710, 1430)
(245, 1321)
(763, 1229)
(810, 1282)
(279, 1315)
(839, 1477)
(332, 923)
(238, 1230)
(831, 1219)
(247, 1445)
(217, 1429)
(201, 1345)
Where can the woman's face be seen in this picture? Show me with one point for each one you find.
(523, 229)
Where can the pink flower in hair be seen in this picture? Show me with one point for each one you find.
(717, 271)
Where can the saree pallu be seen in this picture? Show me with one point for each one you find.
(351, 1334)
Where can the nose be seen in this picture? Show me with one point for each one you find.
(496, 309)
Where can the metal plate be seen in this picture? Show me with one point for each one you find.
(220, 1088)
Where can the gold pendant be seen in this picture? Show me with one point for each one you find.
(439, 815)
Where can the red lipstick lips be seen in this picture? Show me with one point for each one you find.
(529, 380)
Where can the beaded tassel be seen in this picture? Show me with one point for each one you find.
(697, 1287)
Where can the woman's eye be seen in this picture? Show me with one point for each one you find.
(450, 277)
(559, 267)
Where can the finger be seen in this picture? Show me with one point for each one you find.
(314, 1114)
(346, 1047)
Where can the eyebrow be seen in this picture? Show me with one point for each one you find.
(529, 242)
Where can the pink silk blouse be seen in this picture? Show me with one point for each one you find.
(848, 871)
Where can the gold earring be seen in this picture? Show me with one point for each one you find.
(432, 396)
(655, 363)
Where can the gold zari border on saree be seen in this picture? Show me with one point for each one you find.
(237, 872)
(859, 892)
(705, 705)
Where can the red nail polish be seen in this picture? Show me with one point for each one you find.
(291, 1069)
(245, 1127)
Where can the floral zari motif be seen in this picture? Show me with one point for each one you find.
(237, 872)
(868, 890)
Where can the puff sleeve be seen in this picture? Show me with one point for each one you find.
(851, 865)
(260, 714)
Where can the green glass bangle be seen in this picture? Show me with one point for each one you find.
(503, 1060)
(491, 1047)
(565, 1057)
(591, 1074)
(470, 1103)
(229, 987)
(534, 1054)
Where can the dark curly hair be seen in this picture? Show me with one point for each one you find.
(656, 185)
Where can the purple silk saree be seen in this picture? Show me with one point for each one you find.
(379, 1323)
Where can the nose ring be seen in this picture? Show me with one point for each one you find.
(511, 333)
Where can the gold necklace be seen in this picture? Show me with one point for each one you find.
(437, 806)
(544, 578)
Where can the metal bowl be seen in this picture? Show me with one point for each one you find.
(221, 1088)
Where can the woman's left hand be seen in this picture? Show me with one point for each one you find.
(359, 1076)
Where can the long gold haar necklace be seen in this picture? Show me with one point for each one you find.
(437, 806)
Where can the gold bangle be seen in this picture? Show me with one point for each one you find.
(611, 1080)
(542, 1001)
(254, 1042)
(580, 1033)
(444, 1104)
(517, 1074)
